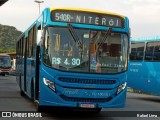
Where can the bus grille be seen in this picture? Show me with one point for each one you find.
(86, 81)
(95, 100)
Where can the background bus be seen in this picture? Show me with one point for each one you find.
(5, 64)
(144, 65)
(74, 58)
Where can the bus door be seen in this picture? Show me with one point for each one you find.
(25, 63)
(20, 63)
(23, 79)
(30, 66)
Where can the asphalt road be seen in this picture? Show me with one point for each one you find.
(140, 105)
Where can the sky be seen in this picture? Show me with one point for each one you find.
(144, 15)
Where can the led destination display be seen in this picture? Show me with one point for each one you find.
(87, 18)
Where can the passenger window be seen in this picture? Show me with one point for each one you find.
(156, 55)
(149, 51)
(137, 51)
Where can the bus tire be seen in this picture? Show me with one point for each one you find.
(98, 110)
(88, 110)
(38, 107)
(21, 91)
(94, 110)
(32, 90)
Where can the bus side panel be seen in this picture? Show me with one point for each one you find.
(136, 76)
(152, 77)
(144, 76)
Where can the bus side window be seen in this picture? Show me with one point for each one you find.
(149, 51)
(133, 54)
(140, 53)
(156, 55)
(137, 51)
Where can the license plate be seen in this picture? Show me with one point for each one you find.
(85, 105)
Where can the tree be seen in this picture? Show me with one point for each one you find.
(8, 37)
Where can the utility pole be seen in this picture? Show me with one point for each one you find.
(39, 3)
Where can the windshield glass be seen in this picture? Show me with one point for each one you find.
(5, 62)
(92, 52)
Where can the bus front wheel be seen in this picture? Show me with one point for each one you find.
(38, 107)
(22, 93)
(3, 74)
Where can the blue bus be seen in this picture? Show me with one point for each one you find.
(75, 58)
(144, 65)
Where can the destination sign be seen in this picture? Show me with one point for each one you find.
(87, 18)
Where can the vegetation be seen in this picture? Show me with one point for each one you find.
(8, 37)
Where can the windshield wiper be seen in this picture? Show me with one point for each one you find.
(104, 38)
(74, 35)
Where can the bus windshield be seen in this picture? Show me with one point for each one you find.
(92, 52)
(5, 62)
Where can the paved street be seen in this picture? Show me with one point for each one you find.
(10, 100)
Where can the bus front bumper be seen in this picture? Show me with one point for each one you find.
(50, 98)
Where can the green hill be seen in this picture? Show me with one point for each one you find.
(8, 37)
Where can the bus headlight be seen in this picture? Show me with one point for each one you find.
(50, 84)
(121, 87)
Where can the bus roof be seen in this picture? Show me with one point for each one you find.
(4, 55)
(88, 10)
(145, 39)
(37, 21)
